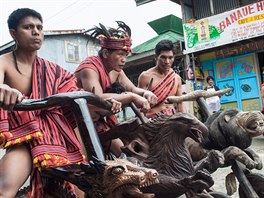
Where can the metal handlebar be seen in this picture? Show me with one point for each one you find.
(61, 99)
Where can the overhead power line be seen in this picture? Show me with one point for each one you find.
(62, 10)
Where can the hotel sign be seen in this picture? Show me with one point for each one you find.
(228, 27)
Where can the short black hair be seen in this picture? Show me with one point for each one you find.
(16, 16)
(100, 52)
(165, 45)
(209, 78)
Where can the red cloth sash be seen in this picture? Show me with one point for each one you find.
(104, 124)
(166, 87)
(49, 132)
(95, 63)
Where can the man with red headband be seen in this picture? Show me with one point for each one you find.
(100, 73)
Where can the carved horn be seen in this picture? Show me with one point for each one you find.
(192, 96)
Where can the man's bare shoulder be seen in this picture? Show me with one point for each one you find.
(144, 79)
(86, 73)
(177, 75)
(148, 73)
(5, 60)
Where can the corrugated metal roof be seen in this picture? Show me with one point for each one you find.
(150, 44)
(48, 33)
(59, 32)
(7, 45)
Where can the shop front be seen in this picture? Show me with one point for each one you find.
(230, 47)
(240, 72)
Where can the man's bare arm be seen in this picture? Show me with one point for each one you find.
(124, 81)
(143, 81)
(90, 82)
(2, 73)
(179, 93)
(8, 96)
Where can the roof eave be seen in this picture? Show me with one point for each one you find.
(7, 45)
(140, 56)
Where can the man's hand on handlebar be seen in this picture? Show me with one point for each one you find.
(116, 106)
(141, 102)
(98, 112)
(151, 97)
(9, 97)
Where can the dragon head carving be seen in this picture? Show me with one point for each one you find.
(233, 127)
(252, 122)
(121, 179)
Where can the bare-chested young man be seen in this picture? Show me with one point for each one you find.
(33, 139)
(162, 80)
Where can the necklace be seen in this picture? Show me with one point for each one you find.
(15, 61)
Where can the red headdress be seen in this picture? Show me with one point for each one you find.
(111, 38)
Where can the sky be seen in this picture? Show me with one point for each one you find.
(85, 14)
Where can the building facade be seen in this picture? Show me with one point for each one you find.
(229, 45)
(224, 39)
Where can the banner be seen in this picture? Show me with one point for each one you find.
(228, 27)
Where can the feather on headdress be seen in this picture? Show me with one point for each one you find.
(119, 38)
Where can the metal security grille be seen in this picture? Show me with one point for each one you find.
(220, 6)
(202, 7)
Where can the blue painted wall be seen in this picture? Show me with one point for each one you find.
(240, 74)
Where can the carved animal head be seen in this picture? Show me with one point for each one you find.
(252, 122)
(180, 124)
(121, 179)
(164, 130)
(233, 127)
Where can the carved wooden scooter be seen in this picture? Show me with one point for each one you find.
(199, 96)
(92, 178)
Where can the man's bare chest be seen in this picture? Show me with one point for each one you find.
(22, 83)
